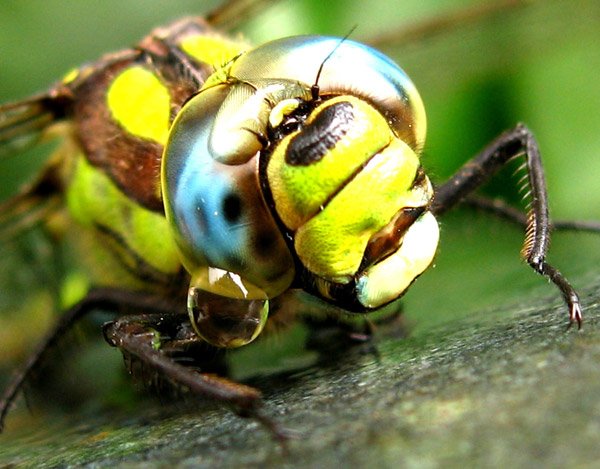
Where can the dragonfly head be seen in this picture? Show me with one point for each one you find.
(269, 185)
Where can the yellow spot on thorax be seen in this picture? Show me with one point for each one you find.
(141, 104)
(213, 50)
(70, 76)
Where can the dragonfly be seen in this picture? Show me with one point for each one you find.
(162, 308)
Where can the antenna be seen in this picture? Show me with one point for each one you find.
(314, 89)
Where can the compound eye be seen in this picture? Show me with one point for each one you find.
(226, 322)
(216, 210)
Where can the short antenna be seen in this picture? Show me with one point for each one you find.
(314, 89)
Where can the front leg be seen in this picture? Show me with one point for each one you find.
(135, 335)
(96, 298)
(516, 142)
(141, 337)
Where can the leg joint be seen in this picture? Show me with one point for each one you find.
(537, 263)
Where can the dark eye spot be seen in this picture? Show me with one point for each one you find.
(232, 208)
(264, 243)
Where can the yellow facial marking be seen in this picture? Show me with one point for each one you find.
(332, 243)
(281, 110)
(299, 192)
(141, 104)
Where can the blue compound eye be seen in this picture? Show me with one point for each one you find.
(216, 209)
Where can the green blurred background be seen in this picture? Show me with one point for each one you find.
(536, 64)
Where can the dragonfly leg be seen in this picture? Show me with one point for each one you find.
(141, 337)
(98, 298)
(132, 334)
(511, 144)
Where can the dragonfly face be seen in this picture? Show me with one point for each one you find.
(254, 153)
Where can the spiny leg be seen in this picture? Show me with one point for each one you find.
(135, 335)
(516, 142)
(99, 298)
